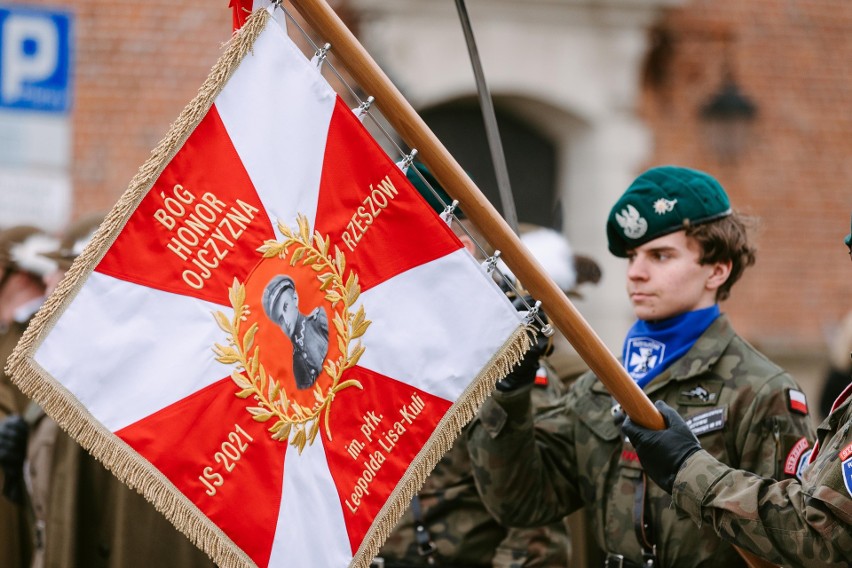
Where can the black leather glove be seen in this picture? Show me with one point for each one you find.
(524, 371)
(662, 452)
(13, 449)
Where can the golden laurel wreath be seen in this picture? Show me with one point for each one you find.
(294, 422)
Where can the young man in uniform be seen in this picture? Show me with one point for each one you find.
(685, 248)
(804, 523)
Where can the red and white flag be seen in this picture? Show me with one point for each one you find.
(273, 336)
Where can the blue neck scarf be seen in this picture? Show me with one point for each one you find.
(650, 347)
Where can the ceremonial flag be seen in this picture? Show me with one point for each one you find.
(272, 336)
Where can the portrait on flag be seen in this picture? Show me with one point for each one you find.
(262, 338)
(308, 334)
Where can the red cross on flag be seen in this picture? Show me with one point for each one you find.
(272, 336)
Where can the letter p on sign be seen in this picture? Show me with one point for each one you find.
(35, 55)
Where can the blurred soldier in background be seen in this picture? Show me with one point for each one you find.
(447, 524)
(839, 365)
(685, 248)
(22, 291)
(83, 516)
(21, 294)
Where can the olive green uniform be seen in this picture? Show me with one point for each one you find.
(12, 400)
(85, 517)
(577, 456)
(14, 537)
(463, 532)
(806, 524)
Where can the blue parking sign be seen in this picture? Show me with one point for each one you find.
(35, 59)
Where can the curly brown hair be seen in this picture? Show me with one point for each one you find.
(724, 240)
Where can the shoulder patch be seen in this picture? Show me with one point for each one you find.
(803, 464)
(642, 355)
(797, 402)
(846, 452)
(847, 469)
(794, 458)
(707, 422)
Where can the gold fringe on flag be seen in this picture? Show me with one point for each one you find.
(58, 403)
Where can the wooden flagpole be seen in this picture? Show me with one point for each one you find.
(479, 210)
(405, 120)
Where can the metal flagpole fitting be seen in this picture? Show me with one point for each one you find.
(320, 55)
(490, 263)
(364, 107)
(532, 313)
(449, 211)
(409, 159)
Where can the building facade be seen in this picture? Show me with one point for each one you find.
(588, 93)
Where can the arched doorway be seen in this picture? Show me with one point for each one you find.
(530, 158)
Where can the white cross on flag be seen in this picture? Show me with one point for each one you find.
(272, 336)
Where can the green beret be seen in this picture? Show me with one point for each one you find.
(272, 293)
(439, 201)
(661, 201)
(848, 239)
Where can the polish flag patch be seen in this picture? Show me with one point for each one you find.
(797, 401)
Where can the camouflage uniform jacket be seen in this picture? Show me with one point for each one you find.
(534, 472)
(794, 524)
(464, 533)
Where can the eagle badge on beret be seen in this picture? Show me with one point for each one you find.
(633, 224)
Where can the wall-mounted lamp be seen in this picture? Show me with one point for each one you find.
(727, 117)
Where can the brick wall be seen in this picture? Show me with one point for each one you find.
(136, 65)
(792, 59)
